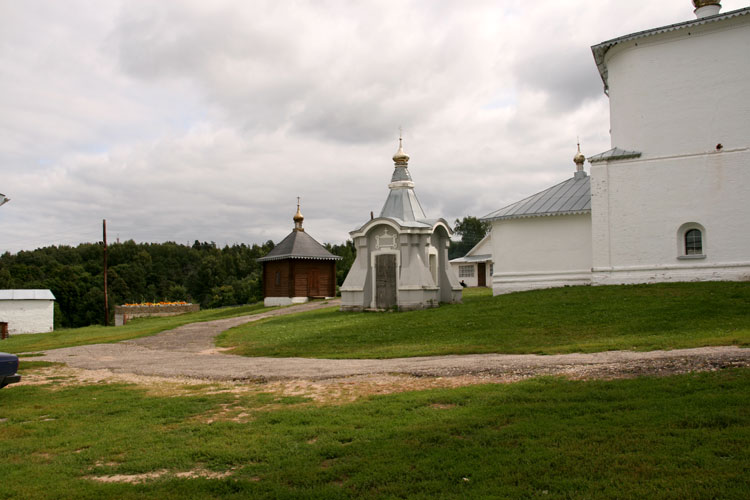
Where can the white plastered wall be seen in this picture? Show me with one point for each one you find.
(27, 316)
(541, 252)
(681, 92)
(472, 280)
(676, 97)
(640, 206)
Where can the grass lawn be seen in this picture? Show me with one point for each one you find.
(139, 327)
(675, 437)
(560, 320)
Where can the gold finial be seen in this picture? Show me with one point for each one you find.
(702, 3)
(705, 8)
(579, 159)
(298, 218)
(400, 158)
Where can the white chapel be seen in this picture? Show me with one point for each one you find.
(670, 201)
(402, 255)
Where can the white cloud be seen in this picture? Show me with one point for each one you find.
(204, 120)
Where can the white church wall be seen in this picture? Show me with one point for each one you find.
(541, 252)
(642, 207)
(27, 316)
(681, 92)
(450, 290)
(357, 283)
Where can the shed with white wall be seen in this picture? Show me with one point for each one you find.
(27, 311)
(475, 268)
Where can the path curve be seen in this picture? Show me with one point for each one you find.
(188, 351)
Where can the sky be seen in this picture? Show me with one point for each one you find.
(196, 120)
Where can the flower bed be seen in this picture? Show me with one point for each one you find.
(127, 312)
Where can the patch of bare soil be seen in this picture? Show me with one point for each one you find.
(344, 390)
(148, 476)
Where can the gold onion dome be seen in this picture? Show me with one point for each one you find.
(579, 159)
(298, 218)
(400, 158)
(703, 3)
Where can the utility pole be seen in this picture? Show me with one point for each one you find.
(106, 306)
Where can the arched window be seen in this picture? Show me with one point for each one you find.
(693, 242)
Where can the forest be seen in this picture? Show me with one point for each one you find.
(152, 272)
(144, 272)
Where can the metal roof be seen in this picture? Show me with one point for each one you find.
(601, 49)
(26, 295)
(471, 258)
(614, 154)
(402, 203)
(570, 197)
(299, 245)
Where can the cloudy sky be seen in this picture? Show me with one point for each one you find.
(194, 119)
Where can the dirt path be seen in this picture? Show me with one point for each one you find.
(188, 351)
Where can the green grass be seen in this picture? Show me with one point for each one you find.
(676, 437)
(561, 320)
(139, 327)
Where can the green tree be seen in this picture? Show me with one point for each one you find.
(348, 253)
(471, 230)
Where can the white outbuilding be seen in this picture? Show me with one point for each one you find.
(27, 311)
(475, 268)
(669, 200)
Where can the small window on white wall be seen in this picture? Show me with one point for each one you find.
(492, 269)
(691, 241)
(465, 271)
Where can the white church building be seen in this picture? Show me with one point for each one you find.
(402, 255)
(670, 201)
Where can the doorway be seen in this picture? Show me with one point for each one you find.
(385, 281)
(481, 274)
(313, 283)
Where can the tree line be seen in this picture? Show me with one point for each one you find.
(144, 272)
(201, 273)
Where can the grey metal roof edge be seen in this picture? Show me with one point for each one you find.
(415, 224)
(471, 258)
(614, 154)
(600, 50)
(542, 214)
(304, 257)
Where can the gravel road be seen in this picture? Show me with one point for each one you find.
(188, 351)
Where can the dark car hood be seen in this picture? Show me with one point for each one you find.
(8, 363)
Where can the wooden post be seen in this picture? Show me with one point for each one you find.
(106, 305)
